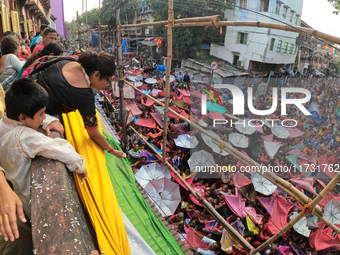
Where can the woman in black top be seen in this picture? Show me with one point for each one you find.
(72, 86)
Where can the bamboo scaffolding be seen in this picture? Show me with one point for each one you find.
(205, 203)
(310, 206)
(208, 21)
(167, 76)
(284, 185)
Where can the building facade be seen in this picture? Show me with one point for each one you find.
(24, 15)
(260, 50)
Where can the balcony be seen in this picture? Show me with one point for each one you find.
(40, 6)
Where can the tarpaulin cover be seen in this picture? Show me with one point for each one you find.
(257, 218)
(150, 123)
(184, 92)
(307, 183)
(155, 92)
(96, 191)
(197, 93)
(268, 138)
(271, 148)
(194, 241)
(238, 226)
(132, 203)
(215, 116)
(325, 167)
(178, 127)
(134, 109)
(240, 180)
(180, 104)
(212, 107)
(254, 145)
(252, 227)
(187, 100)
(278, 219)
(294, 132)
(158, 118)
(236, 204)
(323, 238)
(149, 102)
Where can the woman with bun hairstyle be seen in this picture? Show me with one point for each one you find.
(72, 85)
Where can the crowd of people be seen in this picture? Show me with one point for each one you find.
(312, 147)
(312, 143)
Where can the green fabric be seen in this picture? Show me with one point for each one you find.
(132, 203)
(211, 107)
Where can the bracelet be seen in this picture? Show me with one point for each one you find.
(110, 149)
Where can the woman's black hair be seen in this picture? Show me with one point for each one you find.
(102, 62)
(9, 45)
(50, 48)
(25, 97)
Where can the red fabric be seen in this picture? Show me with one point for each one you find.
(143, 87)
(240, 180)
(38, 48)
(150, 123)
(325, 200)
(149, 102)
(162, 94)
(197, 93)
(322, 162)
(175, 108)
(194, 200)
(176, 97)
(322, 238)
(215, 116)
(194, 241)
(158, 118)
(187, 100)
(188, 180)
(279, 216)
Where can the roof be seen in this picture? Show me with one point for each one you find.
(229, 71)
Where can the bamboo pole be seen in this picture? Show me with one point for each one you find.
(195, 24)
(201, 21)
(167, 76)
(315, 201)
(205, 203)
(284, 185)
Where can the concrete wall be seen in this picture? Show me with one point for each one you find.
(259, 39)
(57, 8)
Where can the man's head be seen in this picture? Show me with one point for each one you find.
(214, 246)
(43, 27)
(50, 35)
(26, 102)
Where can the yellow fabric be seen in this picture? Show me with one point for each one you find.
(96, 191)
(253, 229)
(227, 242)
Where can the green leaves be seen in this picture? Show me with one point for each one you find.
(336, 5)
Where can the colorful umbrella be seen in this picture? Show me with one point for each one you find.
(200, 159)
(165, 195)
(153, 171)
(262, 185)
(131, 78)
(138, 83)
(238, 140)
(172, 78)
(301, 225)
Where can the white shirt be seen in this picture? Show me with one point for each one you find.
(13, 64)
(19, 144)
(208, 241)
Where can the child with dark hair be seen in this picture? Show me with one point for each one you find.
(20, 141)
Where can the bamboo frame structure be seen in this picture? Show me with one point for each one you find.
(205, 203)
(284, 185)
(167, 76)
(299, 196)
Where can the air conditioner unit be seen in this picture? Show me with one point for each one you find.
(239, 63)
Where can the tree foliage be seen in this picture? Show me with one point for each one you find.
(187, 40)
(336, 5)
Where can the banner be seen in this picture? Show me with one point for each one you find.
(15, 22)
(4, 19)
(314, 110)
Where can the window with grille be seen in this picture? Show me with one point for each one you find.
(277, 8)
(272, 43)
(279, 46)
(284, 14)
(291, 16)
(243, 4)
(263, 5)
(242, 38)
